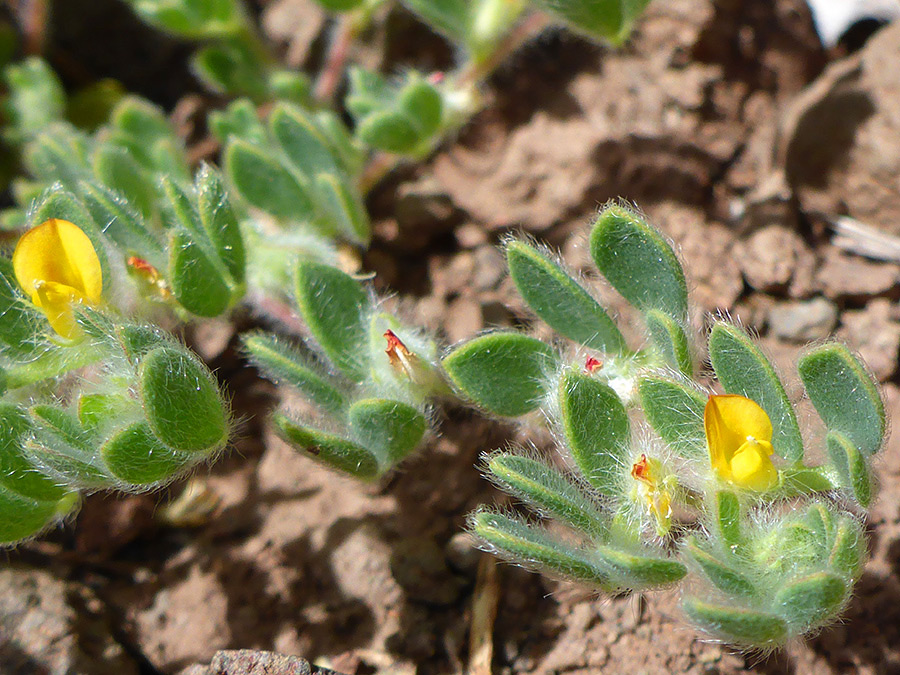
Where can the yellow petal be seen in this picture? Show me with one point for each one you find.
(56, 301)
(752, 468)
(58, 251)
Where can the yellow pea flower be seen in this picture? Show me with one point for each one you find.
(653, 487)
(57, 266)
(739, 437)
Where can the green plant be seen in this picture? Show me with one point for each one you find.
(724, 491)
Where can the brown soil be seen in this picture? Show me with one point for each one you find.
(741, 139)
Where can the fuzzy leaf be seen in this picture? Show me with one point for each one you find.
(389, 131)
(389, 429)
(546, 489)
(35, 98)
(284, 363)
(736, 625)
(17, 473)
(21, 517)
(844, 395)
(531, 546)
(743, 369)
(423, 105)
(560, 301)
(852, 468)
(340, 5)
(301, 141)
(811, 600)
(597, 430)
(504, 373)
(639, 572)
(336, 308)
(182, 402)
(669, 337)
(264, 183)
(675, 411)
(329, 449)
(450, 17)
(231, 68)
(118, 171)
(848, 551)
(220, 224)
(136, 456)
(343, 207)
(195, 279)
(607, 19)
(723, 576)
(122, 223)
(728, 518)
(21, 323)
(639, 263)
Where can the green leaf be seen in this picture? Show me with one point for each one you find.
(504, 373)
(22, 325)
(58, 154)
(723, 576)
(546, 489)
(238, 120)
(597, 430)
(137, 341)
(195, 279)
(727, 516)
(852, 467)
(64, 425)
(231, 68)
(638, 572)
(17, 473)
(35, 98)
(302, 142)
(670, 338)
(848, 552)
(182, 402)
(560, 301)
(844, 395)
(811, 600)
(675, 411)
(423, 105)
(343, 206)
(21, 517)
(264, 183)
(220, 224)
(450, 17)
(100, 411)
(523, 543)
(285, 363)
(743, 369)
(118, 171)
(337, 452)
(336, 308)
(135, 456)
(391, 430)
(639, 263)
(340, 5)
(736, 625)
(607, 19)
(122, 223)
(389, 131)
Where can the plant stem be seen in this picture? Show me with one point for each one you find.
(348, 28)
(477, 71)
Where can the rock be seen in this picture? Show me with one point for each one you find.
(770, 257)
(803, 321)
(44, 632)
(463, 319)
(875, 333)
(851, 277)
(462, 554)
(424, 205)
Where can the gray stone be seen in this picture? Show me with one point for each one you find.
(803, 321)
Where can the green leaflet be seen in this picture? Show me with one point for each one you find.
(265, 184)
(391, 430)
(669, 337)
(336, 308)
(639, 263)
(743, 369)
(736, 625)
(529, 545)
(597, 430)
(638, 572)
(852, 468)
(134, 455)
(504, 373)
(809, 601)
(21, 517)
(339, 453)
(182, 402)
(844, 395)
(560, 301)
(675, 411)
(284, 363)
(607, 19)
(17, 474)
(722, 575)
(548, 490)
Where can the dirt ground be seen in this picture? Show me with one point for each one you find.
(740, 138)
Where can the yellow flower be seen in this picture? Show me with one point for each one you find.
(739, 437)
(57, 266)
(654, 488)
